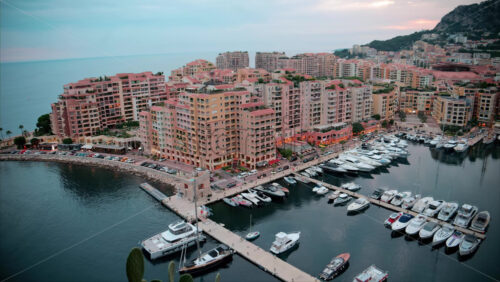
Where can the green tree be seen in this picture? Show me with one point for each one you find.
(8, 132)
(186, 278)
(286, 153)
(135, 265)
(402, 115)
(384, 123)
(67, 141)
(20, 141)
(21, 128)
(376, 116)
(357, 128)
(171, 269)
(391, 122)
(43, 125)
(34, 142)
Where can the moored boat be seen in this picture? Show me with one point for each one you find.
(388, 195)
(480, 222)
(402, 222)
(260, 195)
(468, 245)
(358, 205)
(448, 211)
(465, 215)
(335, 267)
(372, 273)
(442, 234)
(208, 260)
(455, 239)
(434, 207)
(392, 218)
(351, 186)
(342, 199)
(231, 201)
(290, 180)
(377, 193)
(429, 229)
(416, 224)
(284, 242)
(422, 204)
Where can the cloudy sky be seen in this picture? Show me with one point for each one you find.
(58, 29)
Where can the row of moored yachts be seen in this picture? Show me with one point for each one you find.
(439, 142)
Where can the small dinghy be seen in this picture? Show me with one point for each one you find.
(342, 199)
(480, 222)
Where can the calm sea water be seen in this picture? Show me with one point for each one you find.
(28, 88)
(327, 231)
(63, 222)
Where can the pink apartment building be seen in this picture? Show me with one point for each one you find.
(94, 104)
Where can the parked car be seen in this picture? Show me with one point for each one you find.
(243, 174)
(279, 169)
(252, 172)
(286, 167)
(231, 185)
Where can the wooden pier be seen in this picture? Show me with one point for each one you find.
(391, 207)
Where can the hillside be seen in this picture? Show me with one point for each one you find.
(473, 20)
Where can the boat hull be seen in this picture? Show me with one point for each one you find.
(207, 267)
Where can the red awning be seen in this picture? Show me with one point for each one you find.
(271, 162)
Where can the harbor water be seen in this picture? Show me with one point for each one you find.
(64, 222)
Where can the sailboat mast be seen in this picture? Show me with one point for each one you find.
(196, 216)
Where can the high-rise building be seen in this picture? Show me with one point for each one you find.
(94, 104)
(268, 60)
(448, 110)
(233, 60)
(314, 64)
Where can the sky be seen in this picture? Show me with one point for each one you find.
(61, 29)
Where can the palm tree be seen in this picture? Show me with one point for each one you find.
(21, 128)
(1, 131)
(8, 133)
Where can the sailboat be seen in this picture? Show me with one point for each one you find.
(252, 235)
(205, 261)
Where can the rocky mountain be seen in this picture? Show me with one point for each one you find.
(473, 20)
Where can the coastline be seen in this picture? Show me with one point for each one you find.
(147, 173)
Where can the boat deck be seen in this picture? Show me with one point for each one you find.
(392, 207)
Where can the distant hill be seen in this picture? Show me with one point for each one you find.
(473, 20)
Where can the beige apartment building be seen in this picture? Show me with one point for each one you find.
(232, 60)
(268, 60)
(449, 110)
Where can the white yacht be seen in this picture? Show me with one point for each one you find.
(311, 172)
(448, 211)
(290, 180)
(302, 179)
(464, 216)
(461, 147)
(450, 144)
(358, 205)
(428, 230)
(284, 242)
(398, 198)
(251, 197)
(408, 202)
(344, 165)
(381, 159)
(260, 195)
(342, 199)
(442, 234)
(179, 233)
(434, 207)
(357, 163)
(388, 195)
(468, 245)
(435, 141)
(455, 239)
(422, 204)
(416, 224)
(317, 169)
(332, 167)
(365, 159)
(402, 222)
(210, 259)
(351, 186)
(372, 273)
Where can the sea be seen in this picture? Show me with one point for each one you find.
(61, 222)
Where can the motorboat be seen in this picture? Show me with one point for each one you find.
(448, 211)
(251, 197)
(461, 147)
(342, 199)
(348, 167)
(429, 229)
(242, 202)
(416, 224)
(358, 205)
(271, 191)
(468, 245)
(402, 222)
(333, 195)
(366, 160)
(211, 259)
(381, 159)
(302, 179)
(388, 195)
(392, 218)
(280, 187)
(422, 204)
(284, 242)
(290, 180)
(335, 267)
(317, 169)
(434, 207)
(357, 163)
(230, 201)
(450, 144)
(311, 172)
(305, 174)
(398, 198)
(408, 202)
(480, 222)
(465, 215)
(377, 193)
(178, 234)
(440, 145)
(351, 186)
(252, 235)
(322, 190)
(260, 195)
(372, 273)
(442, 234)
(333, 167)
(455, 239)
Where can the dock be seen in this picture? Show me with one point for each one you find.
(253, 253)
(391, 207)
(155, 193)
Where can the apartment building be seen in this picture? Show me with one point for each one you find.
(314, 64)
(361, 100)
(253, 75)
(233, 60)
(451, 110)
(94, 104)
(385, 104)
(191, 69)
(414, 101)
(485, 104)
(268, 60)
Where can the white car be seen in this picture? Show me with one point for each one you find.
(252, 172)
(243, 174)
